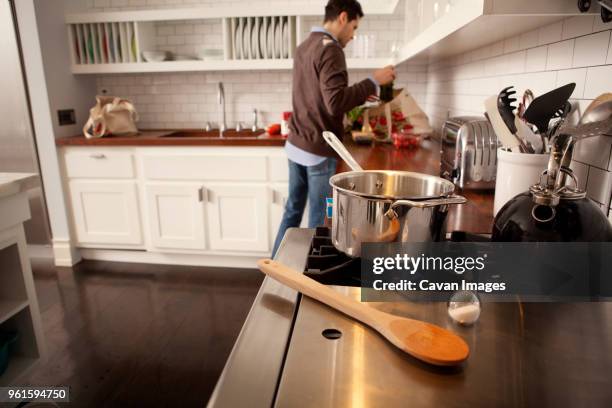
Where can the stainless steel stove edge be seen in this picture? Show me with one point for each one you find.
(252, 371)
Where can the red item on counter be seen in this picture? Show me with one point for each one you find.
(287, 115)
(407, 140)
(274, 129)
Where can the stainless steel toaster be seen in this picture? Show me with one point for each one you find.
(469, 152)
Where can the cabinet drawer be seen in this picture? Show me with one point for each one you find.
(94, 163)
(205, 167)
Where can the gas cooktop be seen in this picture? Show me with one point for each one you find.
(328, 266)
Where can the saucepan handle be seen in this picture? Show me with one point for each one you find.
(454, 199)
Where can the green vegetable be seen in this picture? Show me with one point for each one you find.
(355, 113)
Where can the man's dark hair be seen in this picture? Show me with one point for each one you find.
(335, 7)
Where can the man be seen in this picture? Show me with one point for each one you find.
(321, 97)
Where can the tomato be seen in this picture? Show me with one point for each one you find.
(398, 116)
(274, 129)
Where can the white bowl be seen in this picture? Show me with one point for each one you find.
(210, 54)
(154, 56)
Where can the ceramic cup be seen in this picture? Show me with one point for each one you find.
(516, 172)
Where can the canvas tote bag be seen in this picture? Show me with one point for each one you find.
(111, 116)
(402, 111)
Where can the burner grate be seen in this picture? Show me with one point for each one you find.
(329, 266)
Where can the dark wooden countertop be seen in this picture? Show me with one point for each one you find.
(475, 216)
(159, 138)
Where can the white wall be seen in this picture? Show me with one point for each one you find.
(39, 80)
(577, 49)
(65, 90)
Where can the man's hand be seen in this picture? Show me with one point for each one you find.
(385, 75)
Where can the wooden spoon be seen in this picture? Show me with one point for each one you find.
(421, 340)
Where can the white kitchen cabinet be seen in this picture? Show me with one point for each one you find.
(447, 28)
(238, 216)
(209, 205)
(105, 212)
(176, 216)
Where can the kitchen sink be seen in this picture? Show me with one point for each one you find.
(228, 134)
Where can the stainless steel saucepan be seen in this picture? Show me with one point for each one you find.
(386, 205)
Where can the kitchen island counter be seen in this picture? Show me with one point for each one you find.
(521, 354)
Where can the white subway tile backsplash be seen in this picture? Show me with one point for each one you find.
(536, 59)
(576, 26)
(514, 63)
(497, 48)
(578, 76)
(599, 186)
(511, 44)
(594, 151)
(600, 25)
(567, 53)
(598, 81)
(581, 171)
(550, 33)
(529, 39)
(588, 49)
(539, 82)
(560, 55)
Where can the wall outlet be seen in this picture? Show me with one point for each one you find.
(66, 117)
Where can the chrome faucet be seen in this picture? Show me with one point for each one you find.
(254, 127)
(221, 98)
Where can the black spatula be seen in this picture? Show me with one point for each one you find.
(543, 108)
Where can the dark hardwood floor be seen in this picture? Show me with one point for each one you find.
(139, 335)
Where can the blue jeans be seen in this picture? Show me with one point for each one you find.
(306, 182)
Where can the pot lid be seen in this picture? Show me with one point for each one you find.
(391, 185)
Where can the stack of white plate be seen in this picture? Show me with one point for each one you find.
(262, 38)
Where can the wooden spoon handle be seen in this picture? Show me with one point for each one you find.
(311, 288)
(422, 340)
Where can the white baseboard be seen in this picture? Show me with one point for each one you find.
(226, 261)
(37, 251)
(64, 253)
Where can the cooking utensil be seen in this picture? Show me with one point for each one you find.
(424, 341)
(369, 205)
(598, 113)
(534, 142)
(505, 100)
(561, 116)
(542, 109)
(525, 102)
(344, 154)
(598, 101)
(603, 127)
(507, 139)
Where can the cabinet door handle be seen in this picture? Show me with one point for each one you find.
(98, 156)
(202, 194)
